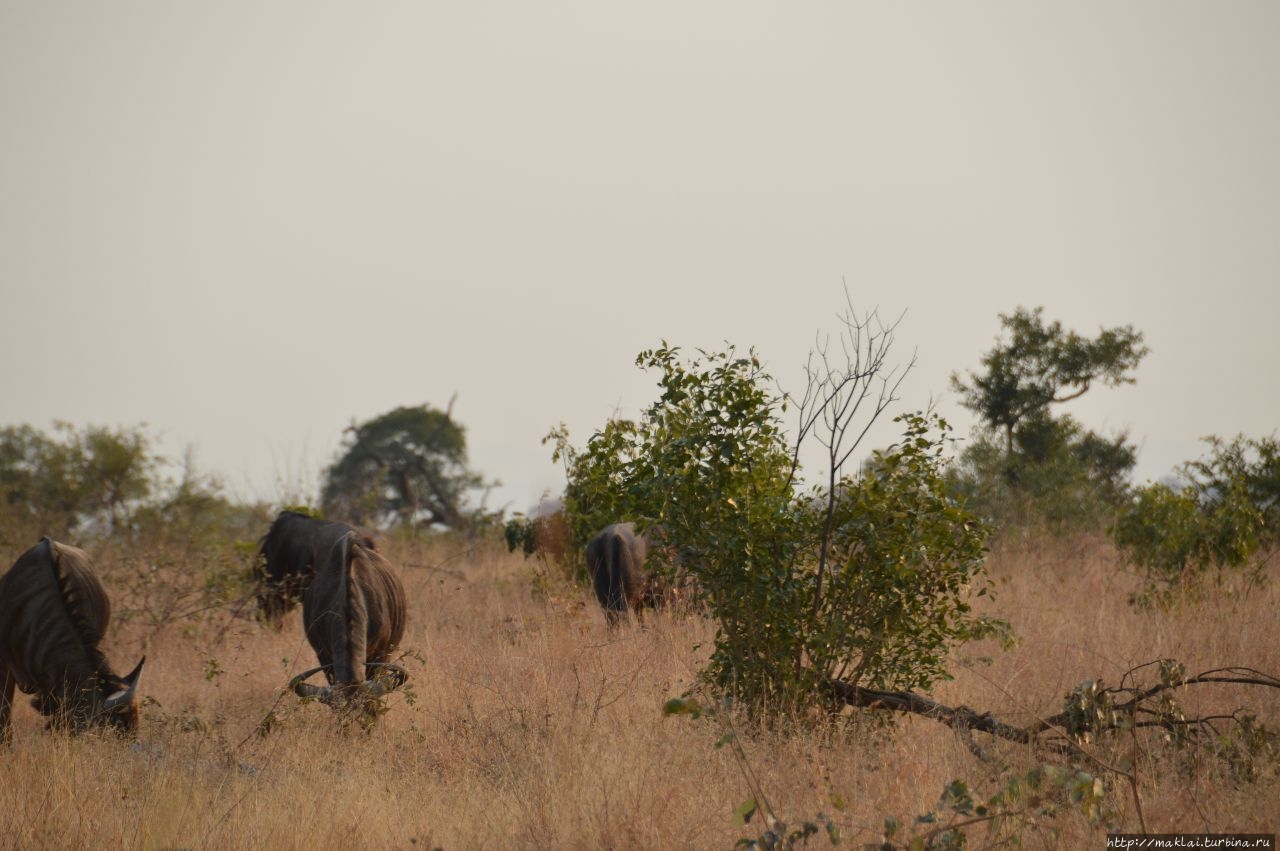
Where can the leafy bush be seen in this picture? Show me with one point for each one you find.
(594, 493)
(906, 556)
(1009, 816)
(1244, 469)
(1225, 512)
(865, 579)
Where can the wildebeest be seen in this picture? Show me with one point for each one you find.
(354, 613)
(53, 613)
(616, 561)
(287, 556)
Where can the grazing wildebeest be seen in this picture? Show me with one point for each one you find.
(354, 613)
(287, 556)
(53, 613)
(616, 562)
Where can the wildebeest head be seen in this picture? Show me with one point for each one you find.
(53, 613)
(286, 560)
(354, 613)
(111, 701)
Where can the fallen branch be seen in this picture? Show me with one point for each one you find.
(1091, 709)
(960, 718)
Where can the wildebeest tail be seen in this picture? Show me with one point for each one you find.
(618, 563)
(349, 655)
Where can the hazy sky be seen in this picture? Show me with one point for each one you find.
(246, 224)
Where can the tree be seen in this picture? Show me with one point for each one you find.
(407, 467)
(1025, 461)
(76, 477)
(1042, 365)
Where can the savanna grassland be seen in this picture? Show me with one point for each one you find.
(527, 724)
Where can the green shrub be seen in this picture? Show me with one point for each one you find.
(1218, 520)
(865, 579)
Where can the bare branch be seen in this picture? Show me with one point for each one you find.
(846, 392)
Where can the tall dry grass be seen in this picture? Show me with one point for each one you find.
(529, 725)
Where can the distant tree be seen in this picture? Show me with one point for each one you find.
(1039, 365)
(407, 467)
(22, 452)
(1026, 461)
(75, 477)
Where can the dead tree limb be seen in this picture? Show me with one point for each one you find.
(1063, 733)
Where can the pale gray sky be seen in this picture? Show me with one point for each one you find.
(246, 223)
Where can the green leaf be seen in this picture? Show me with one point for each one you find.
(745, 811)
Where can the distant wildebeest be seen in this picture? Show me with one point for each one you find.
(616, 561)
(53, 613)
(354, 614)
(287, 556)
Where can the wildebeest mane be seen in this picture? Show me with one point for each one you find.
(84, 602)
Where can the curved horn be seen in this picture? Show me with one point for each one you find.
(380, 685)
(125, 695)
(301, 688)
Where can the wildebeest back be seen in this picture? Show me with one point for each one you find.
(615, 560)
(53, 613)
(288, 555)
(353, 610)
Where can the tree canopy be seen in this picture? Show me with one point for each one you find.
(1026, 460)
(406, 467)
(76, 476)
(1035, 365)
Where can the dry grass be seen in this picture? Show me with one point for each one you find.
(528, 725)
